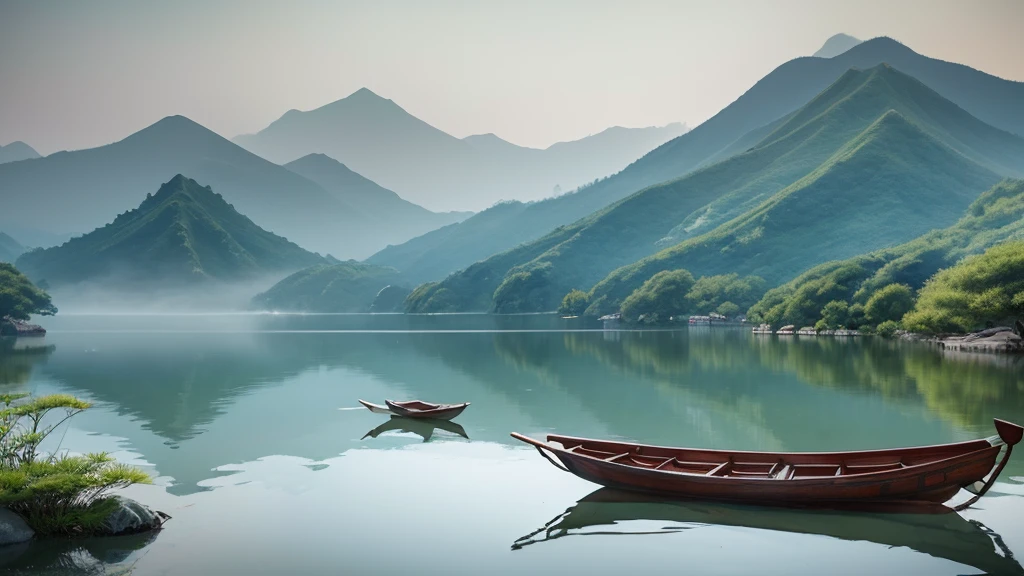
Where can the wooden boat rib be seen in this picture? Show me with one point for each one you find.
(417, 409)
(928, 473)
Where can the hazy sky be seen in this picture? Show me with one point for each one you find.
(78, 74)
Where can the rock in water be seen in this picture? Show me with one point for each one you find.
(130, 517)
(13, 530)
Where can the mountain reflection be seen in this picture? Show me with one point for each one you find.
(942, 535)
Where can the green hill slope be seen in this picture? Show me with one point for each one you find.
(890, 184)
(996, 216)
(581, 254)
(184, 233)
(344, 287)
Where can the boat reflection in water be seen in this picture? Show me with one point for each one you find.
(934, 530)
(423, 427)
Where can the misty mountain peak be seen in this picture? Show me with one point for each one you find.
(836, 45)
(15, 151)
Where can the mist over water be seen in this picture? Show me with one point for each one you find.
(113, 295)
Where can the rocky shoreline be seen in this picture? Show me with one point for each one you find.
(999, 340)
(129, 517)
(11, 327)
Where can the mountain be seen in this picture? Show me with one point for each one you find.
(377, 138)
(89, 185)
(870, 133)
(997, 216)
(17, 151)
(836, 45)
(345, 287)
(891, 183)
(9, 248)
(385, 216)
(735, 129)
(185, 233)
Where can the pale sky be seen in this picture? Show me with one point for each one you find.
(79, 74)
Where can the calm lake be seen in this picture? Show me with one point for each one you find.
(263, 458)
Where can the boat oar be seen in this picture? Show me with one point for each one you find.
(541, 447)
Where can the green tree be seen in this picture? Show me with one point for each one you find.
(887, 329)
(574, 303)
(709, 292)
(982, 289)
(19, 298)
(856, 318)
(835, 314)
(663, 294)
(728, 309)
(890, 303)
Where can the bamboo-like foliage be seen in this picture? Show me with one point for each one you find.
(54, 493)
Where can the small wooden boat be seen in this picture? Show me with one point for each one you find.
(924, 474)
(417, 409)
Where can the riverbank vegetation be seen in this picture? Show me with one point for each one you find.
(19, 298)
(673, 293)
(982, 290)
(56, 494)
(883, 278)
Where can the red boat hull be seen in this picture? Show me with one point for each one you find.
(922, 474)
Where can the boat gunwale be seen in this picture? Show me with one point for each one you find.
(392, 404)
(878, 451)
(848, 478)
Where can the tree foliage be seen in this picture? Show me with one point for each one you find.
(710, 292)
(664, 294)
(574, 303)
(889, 304)
(983, 289)
(835, 314)
(19, 298)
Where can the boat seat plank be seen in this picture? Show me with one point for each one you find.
(720, 470)
(616, 457)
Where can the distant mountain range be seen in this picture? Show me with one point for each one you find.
(875, 159)
(734, 130)
(10, 249)
(183, 234)
(17, 151)
(836, 45)
(377, 138)
(80, 190)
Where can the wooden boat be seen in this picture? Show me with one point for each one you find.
(417, 409)
(422, 427)
(931, 529)
(923, 474)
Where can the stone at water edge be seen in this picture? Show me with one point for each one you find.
(13, 530)
(130, 517)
